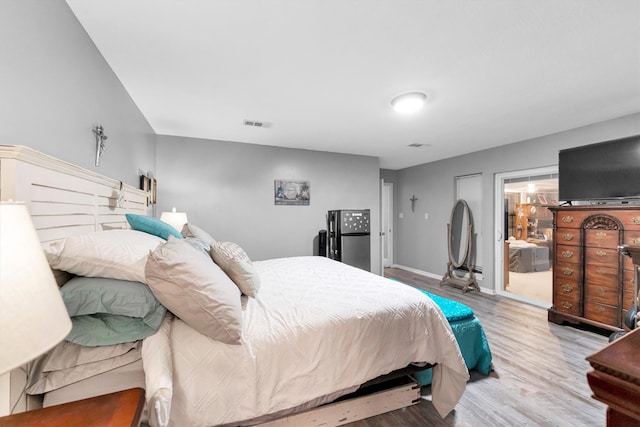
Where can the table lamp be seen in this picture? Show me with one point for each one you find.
(33, 317)
(175, 219)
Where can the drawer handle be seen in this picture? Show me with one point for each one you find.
(601, 234)
(567, 254)
(568, 237)
(635, 240)
(566, 305)
(601, 253)
(600, 271)
(602, 290)
(600, 309)
(568, 271)
(635, 220)
(567, 288)
(567, 219)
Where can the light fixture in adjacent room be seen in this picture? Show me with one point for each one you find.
(33, 317)
(409, 102)
(175, 219)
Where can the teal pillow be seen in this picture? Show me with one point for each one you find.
(151, 225)
(95, 330)
(109, 311)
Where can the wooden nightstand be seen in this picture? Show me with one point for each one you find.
(120, 409)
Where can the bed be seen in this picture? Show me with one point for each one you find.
(526, 257)
(288, 334)
(469, 334)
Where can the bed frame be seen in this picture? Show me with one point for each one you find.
(63, 200)
(66, 200)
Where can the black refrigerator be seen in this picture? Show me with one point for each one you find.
(349, 239)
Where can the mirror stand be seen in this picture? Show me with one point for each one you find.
(459, 241)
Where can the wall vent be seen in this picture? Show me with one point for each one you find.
(257, 123)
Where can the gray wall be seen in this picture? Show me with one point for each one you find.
(55, 86)
(227, 189)
(421, 244)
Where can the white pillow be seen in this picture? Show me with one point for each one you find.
(194, 288)
(115, 254)
(96, 360)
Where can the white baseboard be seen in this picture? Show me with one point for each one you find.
(415, 270)
(479, 277)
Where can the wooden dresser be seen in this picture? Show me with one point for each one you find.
(615, 379)
(592, 282)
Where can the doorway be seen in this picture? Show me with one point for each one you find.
(524, 253)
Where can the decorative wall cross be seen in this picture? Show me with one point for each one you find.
(413, 202)
(100, 142)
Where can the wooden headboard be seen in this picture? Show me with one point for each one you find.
(65, 199)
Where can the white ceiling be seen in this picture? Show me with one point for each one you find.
(323, 72)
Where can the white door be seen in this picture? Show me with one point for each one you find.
(386, 227)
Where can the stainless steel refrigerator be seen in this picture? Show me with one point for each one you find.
(349, 239)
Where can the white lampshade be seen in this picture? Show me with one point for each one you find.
(33, 317)
(408, 102)
(175, 219)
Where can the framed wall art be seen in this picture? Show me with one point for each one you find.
(292, 192)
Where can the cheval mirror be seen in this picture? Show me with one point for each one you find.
(459, 240)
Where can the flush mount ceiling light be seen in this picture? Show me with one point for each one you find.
(408, 102)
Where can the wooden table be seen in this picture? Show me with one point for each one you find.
(615, 379)
(120, 409)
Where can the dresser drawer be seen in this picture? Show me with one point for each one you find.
(631, 238)
(602, 313)
(566, 253)
(572, 218)
(568, 236)
(627, 300)
(566, 270)
(628, 280)
(566, 305)
(627, 263)
(630, 219)
(605, 294)
(607, 257)
(602, 238)
(628, 288)
(598, 275)
(567, 288)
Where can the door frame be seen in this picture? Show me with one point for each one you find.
(499, 227)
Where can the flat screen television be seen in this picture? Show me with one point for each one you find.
(602, 172)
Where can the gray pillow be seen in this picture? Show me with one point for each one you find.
(196, 290)
(108, 311)
(190, 230)
(236, 263)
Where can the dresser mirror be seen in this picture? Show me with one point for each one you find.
(459, 241)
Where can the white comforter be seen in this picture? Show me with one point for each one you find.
(316, 326)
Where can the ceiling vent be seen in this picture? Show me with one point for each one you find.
(257, 124)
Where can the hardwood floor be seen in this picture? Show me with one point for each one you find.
(540, 369)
